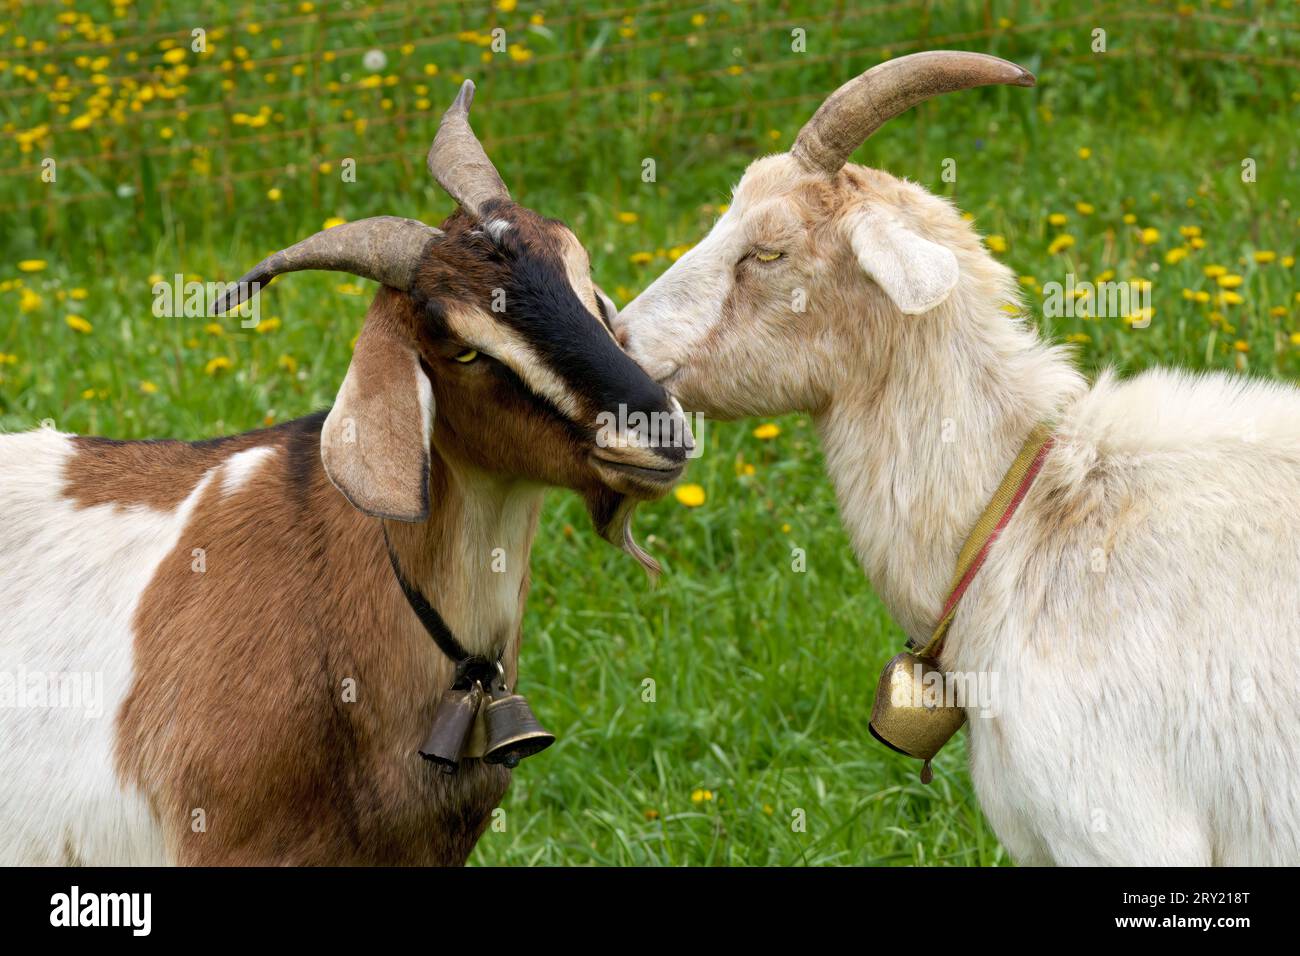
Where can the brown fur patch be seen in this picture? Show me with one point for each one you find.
(238, 706)
(158, 474)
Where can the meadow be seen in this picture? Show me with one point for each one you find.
(1169, 158)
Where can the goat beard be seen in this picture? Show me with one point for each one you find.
(612, 512)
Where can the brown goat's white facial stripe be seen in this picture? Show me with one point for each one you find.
(508, 346)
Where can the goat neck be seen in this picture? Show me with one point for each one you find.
(470, 558)
(916, 446)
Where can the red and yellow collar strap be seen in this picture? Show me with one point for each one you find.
(1010, 493)
(908, 716)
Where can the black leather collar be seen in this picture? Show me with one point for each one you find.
(469, 667)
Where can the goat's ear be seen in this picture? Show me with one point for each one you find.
(914, 272)
(375, 441)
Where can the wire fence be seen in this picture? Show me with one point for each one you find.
(130, 106)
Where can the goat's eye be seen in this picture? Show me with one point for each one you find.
(467, 356)
(767, 256)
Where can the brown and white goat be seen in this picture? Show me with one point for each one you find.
(1139, 613)
(265, 684)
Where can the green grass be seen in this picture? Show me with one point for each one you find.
(763, 676)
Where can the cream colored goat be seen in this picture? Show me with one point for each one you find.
(1142, 609)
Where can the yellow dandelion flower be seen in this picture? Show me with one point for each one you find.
(1084, 208)
(28, 301)
(641, 258)
(176, 55)
(1084, 152)
(1129, 219)
(1278, 311)
(88, 393)
(333, 221)
(1106, 276)
(1196, 242)
(1241, 346)
(701, 796)
(767, 431)
(274, 194)
(1149, 236)
(627, 218)
(214, 328)
(216, 365)
(1213, 271)
(31, 265)
(1295, 339)
(288, 363)
(996, 243)
(1189, 232)
(692, 496)
(1058, 219)
(507, 6)
(1061, 242)
(1229, 281)
(148, 388)
(78, 324)
(1265, 256)
(78, 294)
(1288, 262)
(267, 325)
(1228, 297)
(1176, 255)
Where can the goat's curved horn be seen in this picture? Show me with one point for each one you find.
(457, 160)
(861, 106)
(387, 249)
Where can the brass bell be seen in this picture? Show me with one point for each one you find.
(513, 733)
(914, 713)
(452, 724)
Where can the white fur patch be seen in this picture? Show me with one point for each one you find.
(239, 467)
(73, 578)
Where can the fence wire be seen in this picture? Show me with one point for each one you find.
(131, 109)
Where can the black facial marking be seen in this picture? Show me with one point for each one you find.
(543, 307)
(475, 261)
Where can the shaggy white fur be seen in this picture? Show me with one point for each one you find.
(1140, 612)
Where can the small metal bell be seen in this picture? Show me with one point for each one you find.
(513, 733)
(906, 717)
(452, 724)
